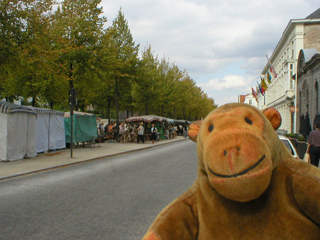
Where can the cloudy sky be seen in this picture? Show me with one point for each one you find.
(221, 43)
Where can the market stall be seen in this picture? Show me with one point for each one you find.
(84, 127)
(17, 132)
(161, 123)
(50, 130)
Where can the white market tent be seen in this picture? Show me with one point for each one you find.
(17, 132)
(50, 131)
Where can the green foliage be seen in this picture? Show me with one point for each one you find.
(301, 138)
(79, 27)
(125, 69)
(292, 135)
(43, 52)
(145, 90)
(297, 136)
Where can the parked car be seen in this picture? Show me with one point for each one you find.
(289, 145)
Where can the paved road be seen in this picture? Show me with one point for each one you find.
(113, 198)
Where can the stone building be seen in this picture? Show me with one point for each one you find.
(282, 88)
(308, 79)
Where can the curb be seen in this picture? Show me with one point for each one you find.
(85, 161)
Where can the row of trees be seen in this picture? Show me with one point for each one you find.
(47, 48)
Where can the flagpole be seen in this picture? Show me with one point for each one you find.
(271, 66)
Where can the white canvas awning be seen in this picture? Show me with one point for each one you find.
(50, 130)
(17, 134)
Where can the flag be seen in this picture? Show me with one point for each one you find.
(272, 70)
(258, 90)
(254, 93)
(261, 89)
(269, 77)
(264, 86)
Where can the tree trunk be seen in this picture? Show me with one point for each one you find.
(146, 109)
(33, 101)
(117, 110)
(109, 113)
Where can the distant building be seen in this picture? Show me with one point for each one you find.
(308, 78)
(249, 99)
(281, 87)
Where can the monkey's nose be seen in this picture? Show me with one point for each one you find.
(228, 151)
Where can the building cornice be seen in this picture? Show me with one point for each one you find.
(292, 23)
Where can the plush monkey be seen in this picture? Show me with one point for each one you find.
(249, 186)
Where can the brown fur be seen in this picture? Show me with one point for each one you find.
(248, 186)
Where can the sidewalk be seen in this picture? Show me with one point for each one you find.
(61, 158)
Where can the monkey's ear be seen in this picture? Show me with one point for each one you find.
(194, 130)
(274, 117)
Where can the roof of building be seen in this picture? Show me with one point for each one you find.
(315, 14)
(313, 17)
(242, 98)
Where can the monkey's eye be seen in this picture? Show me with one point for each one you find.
(211, 127)
(248, 120)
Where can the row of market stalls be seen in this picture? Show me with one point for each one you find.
(27, 130)
(150, 118)
(163, 124)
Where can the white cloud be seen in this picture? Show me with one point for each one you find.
(229, 82)
(206, 37)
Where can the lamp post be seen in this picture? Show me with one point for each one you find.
(72, 102)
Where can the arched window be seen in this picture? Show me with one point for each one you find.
(307, 100)
(300, 101)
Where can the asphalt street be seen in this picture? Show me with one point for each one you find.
(112, 198)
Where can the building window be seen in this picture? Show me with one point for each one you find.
(291, 74)
(250, 102)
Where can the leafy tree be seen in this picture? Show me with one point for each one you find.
(43, 53)
(127, 54)
(79, 27)
(169, 76)
(23, 42)
(108, 66)
(146, 88)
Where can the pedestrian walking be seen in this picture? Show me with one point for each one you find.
(122, 132)
(101, 129)
(185, 130)
(140, 133)
(314, 146)
(154, 131)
